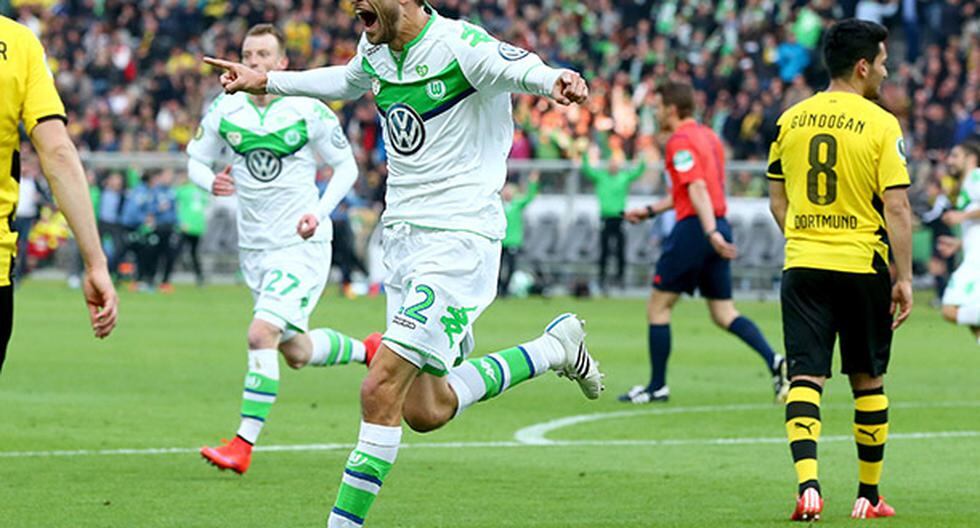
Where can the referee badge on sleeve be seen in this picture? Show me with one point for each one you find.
(683, 161)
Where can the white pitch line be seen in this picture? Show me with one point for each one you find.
(667, 442)
(536, 434)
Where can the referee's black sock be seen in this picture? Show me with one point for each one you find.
(747, 331)
(658, 341)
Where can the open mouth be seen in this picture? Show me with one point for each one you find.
(369, 18)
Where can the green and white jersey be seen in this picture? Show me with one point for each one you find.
(969, 200)
(445, 106)
(274, 162)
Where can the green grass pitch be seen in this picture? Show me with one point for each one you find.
(171, 378)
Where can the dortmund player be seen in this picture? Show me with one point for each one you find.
(838, 187)
(28, 96)
(283, 231)
(442, 88)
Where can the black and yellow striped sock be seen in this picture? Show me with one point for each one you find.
(803, 430)
(870, 434)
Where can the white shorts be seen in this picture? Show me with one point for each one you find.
(964, 285)
(286, 283)
(438, 283)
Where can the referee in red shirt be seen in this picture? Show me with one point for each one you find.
(698, 252)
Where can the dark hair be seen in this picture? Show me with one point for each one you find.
(971, 147)
(268, 29)
(849, 41)
(679, 95)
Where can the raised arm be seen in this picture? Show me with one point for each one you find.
(637, 171)
(588, 170)
(495, 66)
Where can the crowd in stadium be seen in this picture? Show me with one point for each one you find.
(132, 80)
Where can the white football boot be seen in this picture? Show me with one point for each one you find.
(579, 366)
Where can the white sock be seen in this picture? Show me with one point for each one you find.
(466, 382)
(545, 352)
(968, 315)
(333, 348)
(487, 377)
(367, 466)
(261, 388)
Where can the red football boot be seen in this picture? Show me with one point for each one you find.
(235, 455)
(864, 510)
(371, 345)
(808, 506)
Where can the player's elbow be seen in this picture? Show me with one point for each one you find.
(897, 203)
(56, 151)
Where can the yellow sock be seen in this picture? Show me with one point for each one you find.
(870, 434)
(803, 430)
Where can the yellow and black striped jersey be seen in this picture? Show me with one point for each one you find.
(837, 153)
(28, 95)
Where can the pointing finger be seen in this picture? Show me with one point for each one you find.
(220, 63)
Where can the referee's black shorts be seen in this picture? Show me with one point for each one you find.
(821, 305)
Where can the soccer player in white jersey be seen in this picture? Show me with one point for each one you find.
(443, 90)
(961, 301)
(284, 231)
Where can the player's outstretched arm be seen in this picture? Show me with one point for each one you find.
(239, 78)
(898, 218)
(63, 169)
(332, 82)
(639, 214)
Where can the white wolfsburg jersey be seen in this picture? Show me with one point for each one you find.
(969, 200)
(274, 164)
(446, 113)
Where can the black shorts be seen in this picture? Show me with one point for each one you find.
(821, 305)
(689, 262)
(6, 318)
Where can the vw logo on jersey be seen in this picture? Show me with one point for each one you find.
(263, 164)
(292, 138)
(511, 52)
(435, 90)
(406, 132)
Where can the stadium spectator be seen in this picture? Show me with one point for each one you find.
(164, 240)
(191, 202)
(612, 187)
(28, 210)
(109, 216)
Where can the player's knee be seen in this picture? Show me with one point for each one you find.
(262, 335)
(423, 419)
(294, 363)
(950, 312)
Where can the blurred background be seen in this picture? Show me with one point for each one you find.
(134, 86)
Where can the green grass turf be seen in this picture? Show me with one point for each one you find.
(171, 377)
